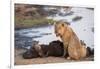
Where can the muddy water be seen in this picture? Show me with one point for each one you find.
(81, 20)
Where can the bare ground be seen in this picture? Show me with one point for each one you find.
(19, 60)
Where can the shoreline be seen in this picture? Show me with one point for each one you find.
(35, 26)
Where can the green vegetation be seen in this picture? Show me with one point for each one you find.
(27, 23)
(27, 16)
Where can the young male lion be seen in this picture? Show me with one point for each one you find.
(70, 40)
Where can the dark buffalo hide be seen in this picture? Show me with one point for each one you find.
(55, 48)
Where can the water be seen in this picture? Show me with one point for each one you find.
(82, 27)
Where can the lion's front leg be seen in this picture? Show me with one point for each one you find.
(65, 50)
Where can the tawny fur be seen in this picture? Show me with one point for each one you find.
(70, 40)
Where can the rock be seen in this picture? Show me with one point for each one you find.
(66, 14)
(77, 18)
(92, 29)
(90, 8)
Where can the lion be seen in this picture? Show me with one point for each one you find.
(70, 40)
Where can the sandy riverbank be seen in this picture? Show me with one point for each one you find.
(19, 60)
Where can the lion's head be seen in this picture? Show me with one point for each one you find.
(60, 28)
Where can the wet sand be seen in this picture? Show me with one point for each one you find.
(19, 60)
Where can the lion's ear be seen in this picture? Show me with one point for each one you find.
(67, 23)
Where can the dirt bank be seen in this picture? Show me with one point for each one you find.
(20, 61)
